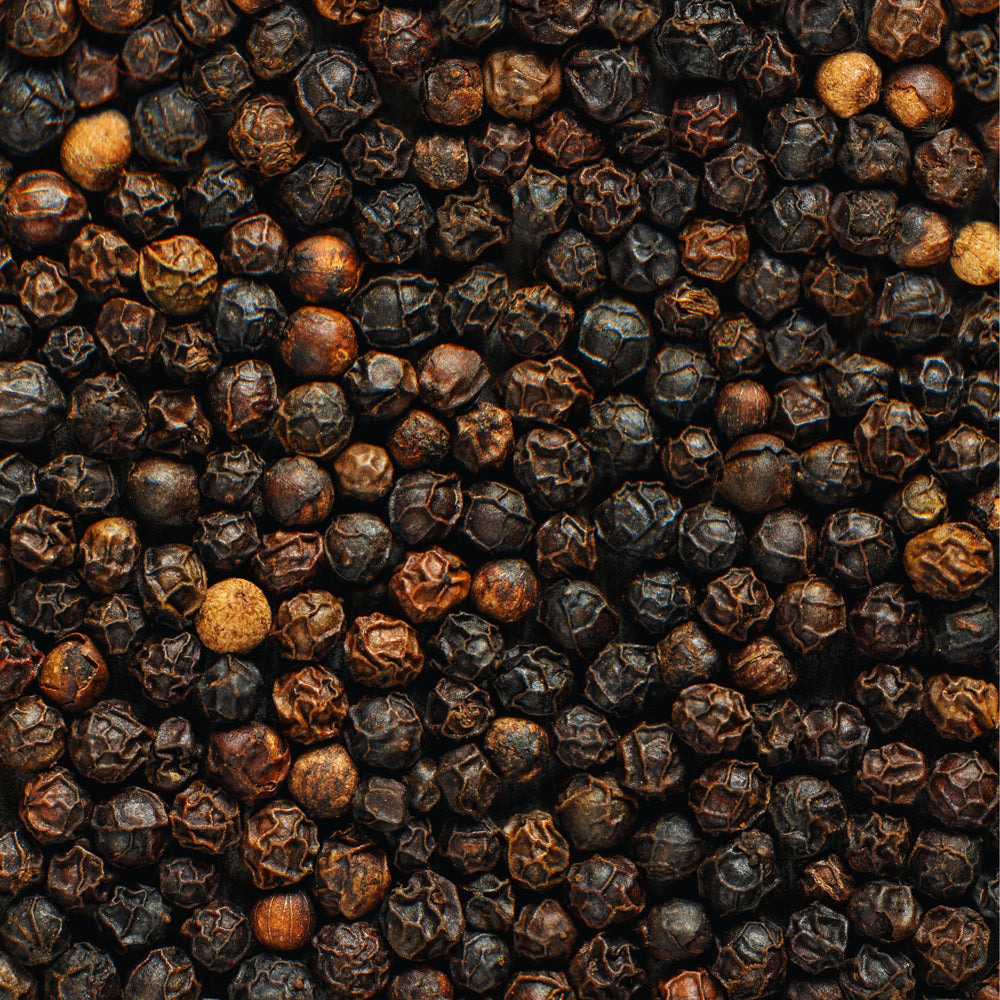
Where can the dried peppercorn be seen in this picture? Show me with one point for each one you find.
(848, 514)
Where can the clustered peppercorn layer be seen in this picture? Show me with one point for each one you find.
(498, 498)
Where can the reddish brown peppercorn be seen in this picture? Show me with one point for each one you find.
(283, 921)
(921, 98)
(324, 269)
(73, 673)
(504, 590)
(382, 652)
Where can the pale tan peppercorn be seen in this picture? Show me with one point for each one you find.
(848, 82)
(234, 617)
(95, 149)
(975, 253)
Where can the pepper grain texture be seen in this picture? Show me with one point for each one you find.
(498, 499)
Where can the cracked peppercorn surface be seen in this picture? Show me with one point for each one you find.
(498, 499)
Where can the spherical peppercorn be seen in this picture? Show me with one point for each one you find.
(906, 30)
(469, 225)
(73, 674)
(91, 74)
(606, 967)
(832, 737)
(607, 84)
(690, 984)
(95, 149)
(109, 742)
(324, 269)
(920, 98)
(254, 246)
(297, 492)
(594, 812)
(888, 694)
(604, 891)
(583, 737)
(504, 590)
(761, 668)
(363, 471)
(133, 917)
(686, 655)
(751, 960)
(21, 861)
(279, 41)
(816, 938)
(758, 473)
(452, 92)
(713, 249)
(949, 562)
(34, 931)
(228, 689)
(352, 877)
(77, 878)
(650, 763)
(34, 109)
(943, 865)
(217, 936)
(234, 617)
(894, 774)
(160, 970)
(796, 219)
(46, 30)
(704, 41)
(441, 162)
(735, 181)
(848, 82)
(676, 931)
(974, 253)
(323, 781)
(921, 237)
(334, 91)
(53, 807)
(131, 828)
(809, 614)
(544, 932)
(807, 813)
(204, 818)
(775, 723)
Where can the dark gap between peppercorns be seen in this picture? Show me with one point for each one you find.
(499, 499)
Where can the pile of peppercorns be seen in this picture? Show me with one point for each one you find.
(498, 499)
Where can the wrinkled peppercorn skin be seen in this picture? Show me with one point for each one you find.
(582, 413)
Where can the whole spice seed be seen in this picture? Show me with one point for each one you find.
(498, 499)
